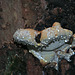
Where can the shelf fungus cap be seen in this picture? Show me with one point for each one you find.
(26, 36)
(47, 36)
(56, 32)
(49, 40)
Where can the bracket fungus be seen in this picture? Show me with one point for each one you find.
(49, 44)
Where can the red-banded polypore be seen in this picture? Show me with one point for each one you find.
(49, 44)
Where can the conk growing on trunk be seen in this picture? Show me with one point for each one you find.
(49, 44)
